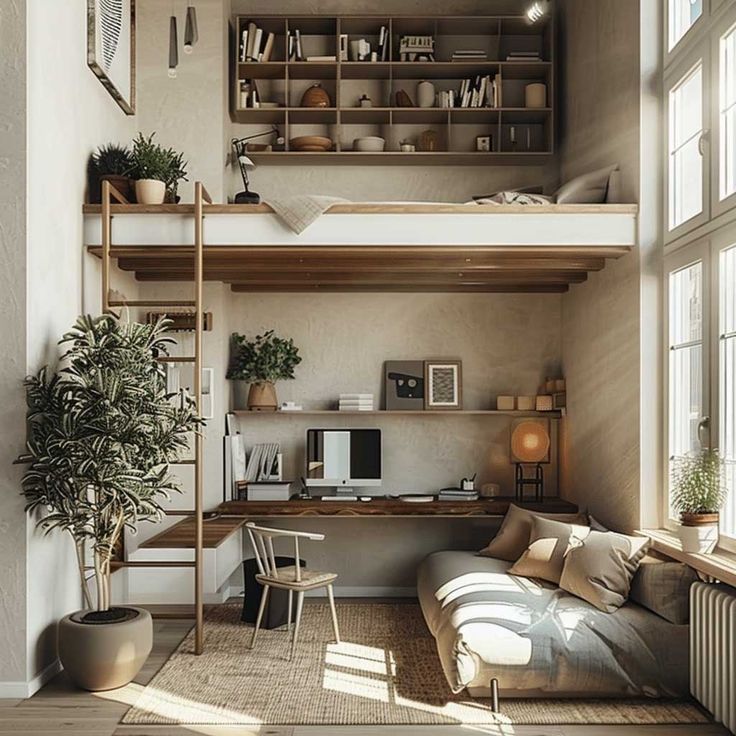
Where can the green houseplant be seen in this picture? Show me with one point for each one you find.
(261, 362)
(157, 170)
(102, 431)
(699, 491)
(113, 163)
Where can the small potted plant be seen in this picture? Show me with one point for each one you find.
(113, 163)
(699, 491)
(260, 363)
(157, 170)
(102, 431)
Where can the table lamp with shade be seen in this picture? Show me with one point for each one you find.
(239, 146)
(530, 443)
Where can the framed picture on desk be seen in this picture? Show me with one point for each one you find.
(443, 381)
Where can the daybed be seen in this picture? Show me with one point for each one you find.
(539, 640)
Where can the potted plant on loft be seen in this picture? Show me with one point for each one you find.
(102, 431)
(260, 363)
(113, 163)
(699, 491)
(157, 171)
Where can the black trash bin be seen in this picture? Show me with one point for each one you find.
(277, 606)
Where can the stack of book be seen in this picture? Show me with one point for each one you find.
(455, 494)
(294, 50)
(356, 402)
(470, 55)
(524, 56)
(255, 45)
(384, 41)
(481, 91)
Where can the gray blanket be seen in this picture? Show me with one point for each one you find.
(537, 639)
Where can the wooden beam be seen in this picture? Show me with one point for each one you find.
(409, 288)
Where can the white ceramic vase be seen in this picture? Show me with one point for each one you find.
(701, 539)
(426, 94)
(150, 191)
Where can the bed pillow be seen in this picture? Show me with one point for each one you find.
(513, 536)
(663, 586)
(550, 541)
(589, 188)
(601, 568)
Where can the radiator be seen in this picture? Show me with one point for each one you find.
(713, 650)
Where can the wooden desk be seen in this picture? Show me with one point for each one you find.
(382, 507)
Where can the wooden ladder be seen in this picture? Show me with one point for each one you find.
(200, 198)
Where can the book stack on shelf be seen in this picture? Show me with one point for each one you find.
(356, 402)
(524, 56)
(266, 490)
(255, 45)
(455, 494)
(482, 91)
(294, 50)
(470, 55)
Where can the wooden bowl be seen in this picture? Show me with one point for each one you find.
(310, 143)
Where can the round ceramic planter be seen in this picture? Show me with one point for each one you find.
(698, 533)
(262, 397)
(104, 656)
(426, 94)
(150, 191)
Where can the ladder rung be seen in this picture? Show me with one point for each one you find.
(178, 512)
(123, 303)
(184, 462)
(152, 563)
(176, 359)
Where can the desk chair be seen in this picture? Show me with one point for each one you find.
(292, 578)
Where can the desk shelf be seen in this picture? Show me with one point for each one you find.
(402, 413)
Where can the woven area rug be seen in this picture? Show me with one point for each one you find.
(385, 671)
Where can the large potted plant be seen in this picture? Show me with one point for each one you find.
(157, 171)
(102, 431)
(260, 363)
(699, 491)
(112, 163)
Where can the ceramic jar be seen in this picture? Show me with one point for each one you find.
(150, 191)
(426, 94)
(316, 96)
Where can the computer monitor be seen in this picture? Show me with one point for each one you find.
(343, 458)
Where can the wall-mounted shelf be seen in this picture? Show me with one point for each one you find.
(383, 412)
(520, 135)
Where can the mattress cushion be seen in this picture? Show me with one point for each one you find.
(533, 636)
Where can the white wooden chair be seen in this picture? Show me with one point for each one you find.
(292, 578)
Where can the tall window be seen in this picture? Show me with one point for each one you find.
(727, 108)
(727, 382)
(685, 360)
(682, 15)
(685, 159)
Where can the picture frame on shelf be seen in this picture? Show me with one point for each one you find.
(443, 385)
(404, 385)
(483, 143)
(111, 48)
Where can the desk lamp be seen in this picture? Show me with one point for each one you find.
(530, 446)
(245, 162)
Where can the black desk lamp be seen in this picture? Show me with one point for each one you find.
(244, 162)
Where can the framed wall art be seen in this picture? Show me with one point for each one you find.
(443, 384)
(111, 48)
(404, 385)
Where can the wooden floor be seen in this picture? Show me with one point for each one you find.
(60, 709)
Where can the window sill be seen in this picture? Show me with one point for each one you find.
(721, 564)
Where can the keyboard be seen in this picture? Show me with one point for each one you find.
(340, 498)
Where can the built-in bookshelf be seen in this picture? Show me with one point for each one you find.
(502, 52)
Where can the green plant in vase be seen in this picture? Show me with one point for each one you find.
(261, 362)
(102, 432)
(699, 491)
(112, 163)
(157, 170)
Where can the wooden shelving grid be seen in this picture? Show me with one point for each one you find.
(284, 82)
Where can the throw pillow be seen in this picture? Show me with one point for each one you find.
(513, 536)
(601, 568)
(589, 188)
(663, 586)
(548, 545)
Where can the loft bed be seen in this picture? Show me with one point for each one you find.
(430, 247)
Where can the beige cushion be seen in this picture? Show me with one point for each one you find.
(288, 575)
(600, 569)
(589, 188)
(663, 586)
(548, 545)
(513, 536)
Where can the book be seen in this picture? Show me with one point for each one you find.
(356, 397)
(322, 58)
(268, 490)
(268, 48)
(243, 44)
(251, 41)
(257, 44)
(298, 45)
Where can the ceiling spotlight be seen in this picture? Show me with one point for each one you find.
(537, 10)
(191, 32)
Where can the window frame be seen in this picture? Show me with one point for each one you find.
(724, 24)
(699, 54)
(698, 251)
(691, 35)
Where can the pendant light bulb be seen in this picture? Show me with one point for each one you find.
(191, 32)
(173, 47)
